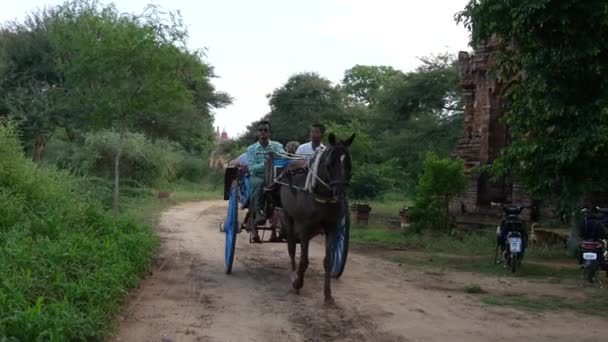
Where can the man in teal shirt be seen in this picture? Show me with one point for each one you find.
(256, 154)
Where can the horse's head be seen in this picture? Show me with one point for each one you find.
(337, 165)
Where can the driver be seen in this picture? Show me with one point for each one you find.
(256, 154)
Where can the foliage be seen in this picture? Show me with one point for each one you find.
(361, 148)
(442, 181)
(30, 85)
(126, 69)
(65, 263)
(363, 83)
(371, 180)
(432, 89)
(554, 58)
(51, 75)
(119, 66)
(144, 161)
(304, 99)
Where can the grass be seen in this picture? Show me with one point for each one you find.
(466, 243)
(484, 265)
(65, 262)
(594, 303)
(390, 204)
(147, 208)
(462, 251)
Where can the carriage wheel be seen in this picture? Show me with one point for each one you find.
(339, 247)
(231, 226)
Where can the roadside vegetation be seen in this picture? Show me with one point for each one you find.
(84, 145)
(65, 261)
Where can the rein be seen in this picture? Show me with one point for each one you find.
(311, 179)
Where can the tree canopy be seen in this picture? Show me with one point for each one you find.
(83, 66)
(554, 57)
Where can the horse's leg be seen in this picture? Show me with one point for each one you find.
(304, 240)
(291, 242)
(327, 261)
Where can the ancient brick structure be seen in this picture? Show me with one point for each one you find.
(483, 138)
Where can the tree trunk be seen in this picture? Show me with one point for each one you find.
(38, 147)
(117, 169)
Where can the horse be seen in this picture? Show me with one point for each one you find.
(308, 212)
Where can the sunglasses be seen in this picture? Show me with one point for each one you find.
(263, 130)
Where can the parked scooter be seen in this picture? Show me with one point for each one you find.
(511, 237)
(594, 252)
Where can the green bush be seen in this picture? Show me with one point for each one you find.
(192, 168)
(370, 180)
(143, 160)
(65, 262)
(441, 182)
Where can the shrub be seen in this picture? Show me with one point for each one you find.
(370, 180)
(143, 160)
(65, 262)
(441, 182)
(192, 168)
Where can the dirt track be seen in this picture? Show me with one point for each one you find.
(189, 298)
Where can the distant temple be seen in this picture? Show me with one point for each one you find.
(217, 159)
(221, 137)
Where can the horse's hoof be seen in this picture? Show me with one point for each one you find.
(297, 284)
(329, 301)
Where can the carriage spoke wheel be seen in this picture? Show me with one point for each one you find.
(339, 247)
(231, 227)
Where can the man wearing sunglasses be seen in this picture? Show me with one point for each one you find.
(256, 154)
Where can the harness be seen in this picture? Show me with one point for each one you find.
(312, 178)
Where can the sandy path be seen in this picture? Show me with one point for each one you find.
(189, 298)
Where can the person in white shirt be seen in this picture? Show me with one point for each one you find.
(316, 135)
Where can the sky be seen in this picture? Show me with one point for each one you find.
(255, 45)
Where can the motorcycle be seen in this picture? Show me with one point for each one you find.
(511, 236)
(593, 255)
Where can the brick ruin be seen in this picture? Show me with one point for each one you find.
(483, 138)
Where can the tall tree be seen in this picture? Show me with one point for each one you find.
(362, 83)
(30, 86)
(121, 67)
(554, 56)
(304, 99)
(415, 108)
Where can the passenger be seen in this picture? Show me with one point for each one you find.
(256, 154)
(292, 147)
(316, 136)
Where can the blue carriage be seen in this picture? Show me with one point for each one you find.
(237, 192)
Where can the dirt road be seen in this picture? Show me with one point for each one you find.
(189, 298)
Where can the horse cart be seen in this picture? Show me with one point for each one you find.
(237, 192)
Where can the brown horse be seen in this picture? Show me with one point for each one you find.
(306, 213)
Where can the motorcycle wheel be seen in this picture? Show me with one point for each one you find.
(514, 262)
(589, 272)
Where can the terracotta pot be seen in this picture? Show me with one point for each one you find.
(359, 213)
